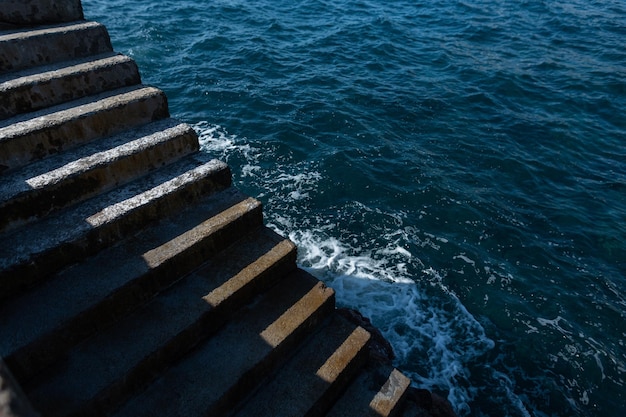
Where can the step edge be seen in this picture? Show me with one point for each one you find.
(101, 167)
(206, 325)
(38, 91)
(204, 180)
(121, 300)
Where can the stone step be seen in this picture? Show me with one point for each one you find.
(34, 136)
(45, 322)
(29, 255)
(378, 391)
(26, 48)
(37, 88)
(73, 176)
(104, 371)
(30, 12)
(225, 368)
(311, 381)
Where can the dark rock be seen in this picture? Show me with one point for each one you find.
(433, 404)
(380, 348)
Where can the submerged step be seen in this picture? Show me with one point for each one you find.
(31, 254)
(83, 172)
(378, 391)
(37, 135)
(26, 48)
(105, 370)
(309, 383)
(221, 371)
(34, 89)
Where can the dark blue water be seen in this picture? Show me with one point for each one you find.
(454, 169)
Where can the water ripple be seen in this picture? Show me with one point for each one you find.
(474, 148)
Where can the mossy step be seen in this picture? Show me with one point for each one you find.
(310, 382)
(80, 173)
(34, 136)
(28, 255)
(105, 370)
(37, 88)
(221, 371)
(42, 45)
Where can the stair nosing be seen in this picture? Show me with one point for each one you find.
(81, 224)
(253, 368)
(374, 394)
(28, 76)
(32, 90)
(59, 114)
(70, 322)
(206, 320)
(321, 377)
(40, 45)
(37, 135)
(45, 30)
(54, 162)
(24, 189)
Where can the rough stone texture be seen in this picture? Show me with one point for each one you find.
(38, 135)
(390, 395)
(35, 89)
(222, 371)
(133, 278)
(43, 324)
(162, 329)
(29, 255)
(24, 196)
(30, 12)
(23, 49)
(311, 381)
(379, 391)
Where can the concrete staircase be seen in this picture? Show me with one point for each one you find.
(134, 279)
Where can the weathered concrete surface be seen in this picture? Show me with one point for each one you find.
(35, 89)
(27, 195)
(29, 48)
(50, 131)
(29, 254)
(320, 371)
(162, 329)
(32, 12)
(221, 372)
(378, 391)
(134, 279)
(48, 321)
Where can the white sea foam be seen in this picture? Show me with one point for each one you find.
(434, 343)
(555, 323)
(434, 337)
(215, 140)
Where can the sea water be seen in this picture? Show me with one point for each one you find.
(456, 170)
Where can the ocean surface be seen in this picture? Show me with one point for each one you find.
(456, 170)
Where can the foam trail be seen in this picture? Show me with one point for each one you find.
(434, 337)
(433, 344)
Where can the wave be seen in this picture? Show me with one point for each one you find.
(436, 339)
